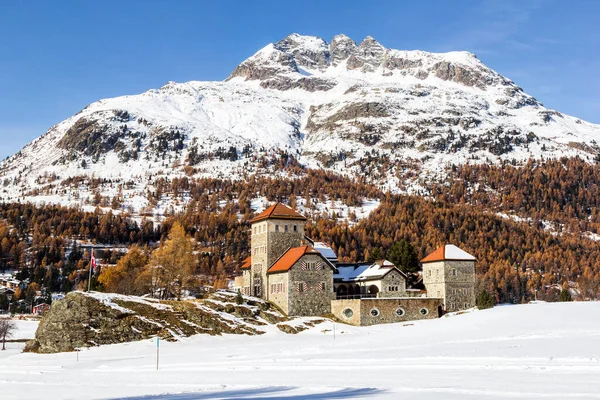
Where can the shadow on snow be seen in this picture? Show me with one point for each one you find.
(260, 393)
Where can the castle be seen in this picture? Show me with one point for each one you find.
(304, 278)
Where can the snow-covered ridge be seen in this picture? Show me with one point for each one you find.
(398, 117)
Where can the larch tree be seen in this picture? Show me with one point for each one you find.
(173, 263)
(122, 277)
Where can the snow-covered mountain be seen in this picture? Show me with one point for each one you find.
(399, 117)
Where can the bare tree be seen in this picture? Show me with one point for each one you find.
(7, 328)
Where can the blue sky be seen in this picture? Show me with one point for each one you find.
(57, 57)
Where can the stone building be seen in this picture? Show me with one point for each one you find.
(301, 282)
(274, 231)
(285, 270)
(304, 278)
(449, 274)
(379, 279)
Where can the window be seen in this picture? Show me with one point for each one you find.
(300, 287)
(295, 228)
(348, 313)
(453, 271)
(276, 228)
(374, 312)
(400, 312)
(424, 311)
(323, 286)
(285, 227)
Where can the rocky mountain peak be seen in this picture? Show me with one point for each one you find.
(340, 48)
(310, 52)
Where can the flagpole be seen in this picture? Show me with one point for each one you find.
(91, 266)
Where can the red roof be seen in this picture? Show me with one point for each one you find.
(290, 257)
(246, 263)
(448, 252)
(278, 211)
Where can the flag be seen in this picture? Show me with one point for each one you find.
(93, 262)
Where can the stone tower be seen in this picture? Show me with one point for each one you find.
(274, 231)
(449, 274)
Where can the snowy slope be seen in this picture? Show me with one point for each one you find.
(401, 118)
(535, 351)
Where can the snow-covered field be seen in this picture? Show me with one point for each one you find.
(535, 351)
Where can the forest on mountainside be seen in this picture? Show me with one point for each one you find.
(516, 259)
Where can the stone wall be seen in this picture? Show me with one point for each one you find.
(460, 285)
(351, 317)
(259, 265)
(313, 300)
(278, 294)
(385, 310)
(433, 279)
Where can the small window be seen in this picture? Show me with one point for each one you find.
(454, 272)
(295, 228)
(276, 228)
(300, 287)
(424, 311)
(323, 286)
(400, 312)
(374, 312)
(285, 228)
(348, 313)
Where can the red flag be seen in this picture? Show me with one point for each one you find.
(93, 261)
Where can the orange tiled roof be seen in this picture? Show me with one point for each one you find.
(290, 257)
(279, 211)
(448, 252)
(246, 263)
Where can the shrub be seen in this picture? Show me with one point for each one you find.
(565, 295)
(485, 300)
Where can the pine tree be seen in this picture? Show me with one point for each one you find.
(404, 256)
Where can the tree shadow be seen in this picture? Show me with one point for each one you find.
(275, 392)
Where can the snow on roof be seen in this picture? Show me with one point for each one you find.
(325, 250)
(449, 252)
(363, 272)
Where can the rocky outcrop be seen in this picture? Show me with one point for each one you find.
(92, 319)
